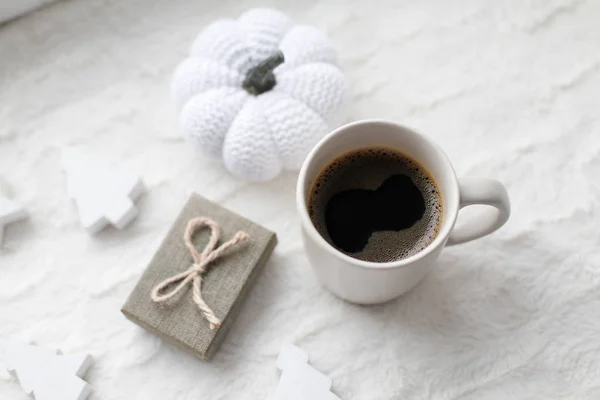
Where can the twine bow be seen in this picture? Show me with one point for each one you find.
(201, 260)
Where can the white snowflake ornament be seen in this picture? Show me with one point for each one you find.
(259, 92)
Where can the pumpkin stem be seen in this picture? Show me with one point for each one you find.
(261, 78)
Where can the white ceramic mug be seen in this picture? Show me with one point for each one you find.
(366, 282)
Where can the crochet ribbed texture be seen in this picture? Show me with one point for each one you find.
(258, 136)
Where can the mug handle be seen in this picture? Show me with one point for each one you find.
(487, 192)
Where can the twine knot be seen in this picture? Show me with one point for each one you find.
(194, 274)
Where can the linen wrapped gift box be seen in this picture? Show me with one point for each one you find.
(224, 286)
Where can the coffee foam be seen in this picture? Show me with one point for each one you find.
(367, 169)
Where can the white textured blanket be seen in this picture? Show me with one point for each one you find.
(10, 9)
(510, 89)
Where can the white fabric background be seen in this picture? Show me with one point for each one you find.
(10, 9)
(509, 89)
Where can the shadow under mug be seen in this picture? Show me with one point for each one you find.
(367, 282)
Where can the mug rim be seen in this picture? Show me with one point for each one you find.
(449, 216)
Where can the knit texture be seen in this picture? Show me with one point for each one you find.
(259, 136)
(509, 90)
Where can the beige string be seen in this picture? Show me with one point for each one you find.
(198, 268)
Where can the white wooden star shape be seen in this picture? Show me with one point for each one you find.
(10, 212)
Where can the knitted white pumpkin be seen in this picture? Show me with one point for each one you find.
(259, 92)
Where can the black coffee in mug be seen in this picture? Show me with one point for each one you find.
(376, 204)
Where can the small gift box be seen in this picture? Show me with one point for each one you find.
(196, 283)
